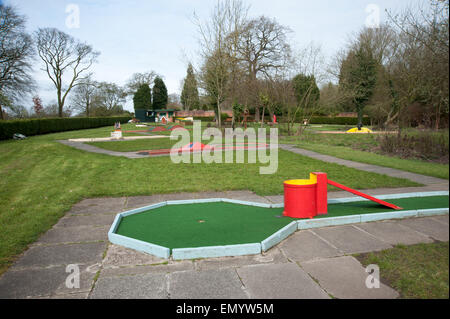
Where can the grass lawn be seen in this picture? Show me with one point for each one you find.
(358, 148)
(417, 271)
(41, 179)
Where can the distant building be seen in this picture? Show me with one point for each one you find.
(158, 116)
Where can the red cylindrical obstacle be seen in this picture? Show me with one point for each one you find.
(300, 199)
(305, 198)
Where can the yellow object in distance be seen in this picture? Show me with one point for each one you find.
(362, 130)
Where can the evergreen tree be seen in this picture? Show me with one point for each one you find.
(306, 91)
(358, 77)
(160, 96)
(142, 99)
(189, 95)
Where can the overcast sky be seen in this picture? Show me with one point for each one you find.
(143, 35)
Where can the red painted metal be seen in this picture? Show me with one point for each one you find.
(351, 190)
(300, 201)
(321, 193)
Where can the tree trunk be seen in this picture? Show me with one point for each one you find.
(438, 117)
(60, 105)
(219, 120)
(256, 113)
(360, 117)
(262, 117)
(2, 116)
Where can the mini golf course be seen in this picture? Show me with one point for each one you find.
(200, 147)
(218, 223)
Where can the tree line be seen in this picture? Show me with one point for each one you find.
(396, 73)
(67, 63)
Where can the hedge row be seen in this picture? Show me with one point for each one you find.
(338, 120)
(52, 125)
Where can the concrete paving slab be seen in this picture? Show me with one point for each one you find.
(80, 295)
(108, 205)
(166, 267)
(394, 233)
(146, 286)
(279, 281)
(427, 226)
(31, 282)
(272, 256)
(118, 256)
(305, 245)
(350, 240)
(275, 199)
(74, 234)
(43, 256)
(344, 277)
(443, 219)
(86, 220)
(208, 284)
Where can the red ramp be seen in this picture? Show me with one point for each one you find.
(353, 191)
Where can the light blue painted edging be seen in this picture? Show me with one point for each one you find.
(432, 212)
(242, 202)
(158, 251)
(216, 251)
(354, 219)
(142, 209)
(250, 249)
(329, 221)
(278, 236)
(194, 201)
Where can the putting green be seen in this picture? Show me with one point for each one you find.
(221, 223)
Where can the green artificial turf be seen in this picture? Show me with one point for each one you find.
(212, 224)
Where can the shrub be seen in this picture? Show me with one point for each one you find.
(31, 127)
(223, 117)
(423, 145)
(338, 120)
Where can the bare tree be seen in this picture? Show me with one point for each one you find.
(84, 96)
(422, 59)
(305, 67)
(110, 95)
(65, 58)
(263, 49)
(216, 49)
(16, 52)
(137, 79)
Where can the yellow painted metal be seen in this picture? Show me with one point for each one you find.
(311, 181)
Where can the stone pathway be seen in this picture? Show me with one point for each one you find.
(309, 264)
(392, 172)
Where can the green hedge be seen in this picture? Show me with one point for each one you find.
(314, 120)
(31, 127)
(338, 120)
